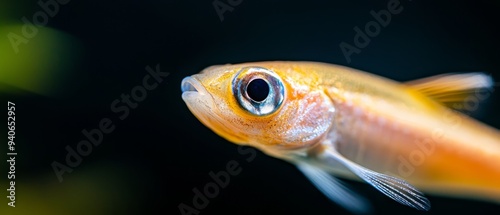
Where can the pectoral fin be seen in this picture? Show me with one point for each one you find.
(335, 190)
(452, 90)
(395, 188)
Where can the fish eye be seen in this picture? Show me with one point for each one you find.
(258, 90)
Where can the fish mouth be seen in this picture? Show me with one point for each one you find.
(197, 98)
(191, 85)
(196, 95)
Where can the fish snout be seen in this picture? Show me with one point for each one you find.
(196, 95)
(191, 85)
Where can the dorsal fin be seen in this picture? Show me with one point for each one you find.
(453, 90)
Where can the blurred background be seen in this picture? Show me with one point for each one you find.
(65, 72)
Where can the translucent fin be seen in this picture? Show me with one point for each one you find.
(393, 187)
(452, 90)
(335, 190)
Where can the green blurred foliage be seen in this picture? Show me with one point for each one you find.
(95, 190)
(46, 65)
(43, 63)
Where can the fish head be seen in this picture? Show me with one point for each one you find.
(266, 105)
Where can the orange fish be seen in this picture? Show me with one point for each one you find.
(331, 120)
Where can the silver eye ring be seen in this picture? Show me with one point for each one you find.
(258, 90)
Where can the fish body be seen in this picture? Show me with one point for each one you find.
(391, 127)
(335, 120)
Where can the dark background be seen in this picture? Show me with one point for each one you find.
(154, 158)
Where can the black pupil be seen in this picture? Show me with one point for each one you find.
(258, 90)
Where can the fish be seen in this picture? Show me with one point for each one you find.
(331, 121)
